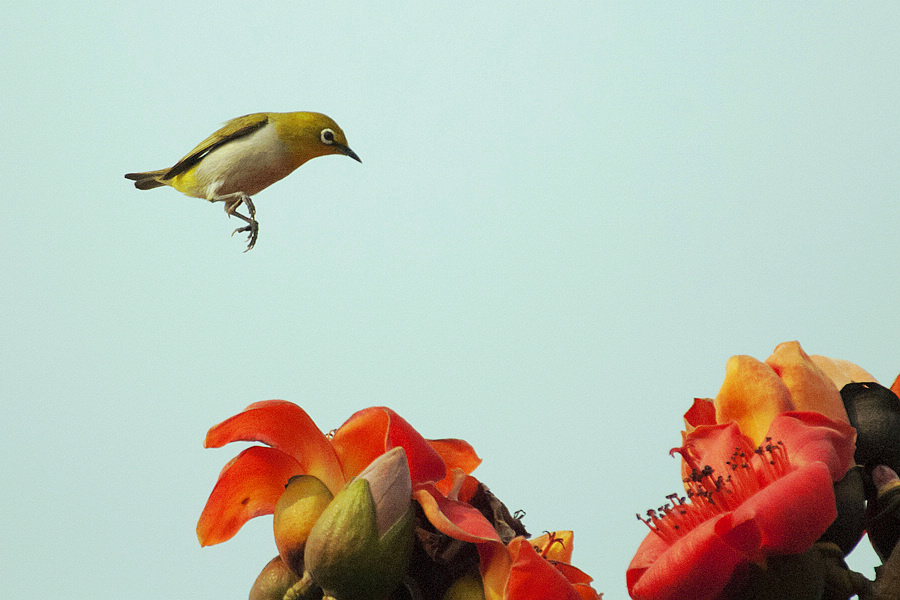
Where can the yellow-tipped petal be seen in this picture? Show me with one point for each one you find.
(751, 396)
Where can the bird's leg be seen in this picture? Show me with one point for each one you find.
(232, 202)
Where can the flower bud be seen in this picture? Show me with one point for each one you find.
(467, 587)
(298, 508)
(360, 547)
(850, 499)
(874, 411)
(274, 581)
(883, 514)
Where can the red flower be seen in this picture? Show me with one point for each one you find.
(251, 483)
(743, 502)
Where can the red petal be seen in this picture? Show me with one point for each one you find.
(456, 519)
(533, 578)
(812, 437)
(792, 512)
(586, 592)
(287, 427)
(697, 567)
(248, 486)
(701, 412)
(371, 432)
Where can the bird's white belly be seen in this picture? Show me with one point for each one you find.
(249, 165)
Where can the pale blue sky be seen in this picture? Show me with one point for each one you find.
(568, 216)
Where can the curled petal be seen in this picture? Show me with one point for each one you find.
(456, 519)
(751, 395)
(248, 486)
(371, 432)
(810, 388)
(287, 427)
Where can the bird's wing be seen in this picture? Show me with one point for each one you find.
(232, 130)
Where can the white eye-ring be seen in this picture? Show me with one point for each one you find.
(327, 136)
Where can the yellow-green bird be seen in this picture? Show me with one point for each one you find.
(247, 155)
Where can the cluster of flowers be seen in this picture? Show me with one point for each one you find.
(374, 511)
(783, 471)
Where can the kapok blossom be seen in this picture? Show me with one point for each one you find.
(759, 464)
(743, 502)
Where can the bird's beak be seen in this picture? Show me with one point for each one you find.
(346, 150)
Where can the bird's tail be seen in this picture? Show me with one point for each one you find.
(147, 180)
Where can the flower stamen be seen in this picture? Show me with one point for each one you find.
(709, 495)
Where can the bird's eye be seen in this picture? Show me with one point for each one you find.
(327, 136)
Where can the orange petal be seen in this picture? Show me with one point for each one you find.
(287, 427)
(248, 486)
(896, 386)
(808, 385)
(456, 454)
(371, 432)
(841, 372)
(751, 395)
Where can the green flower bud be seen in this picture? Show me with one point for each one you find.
(360, 547)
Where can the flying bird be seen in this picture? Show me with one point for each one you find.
(247, 155)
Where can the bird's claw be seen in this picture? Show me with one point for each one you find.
(253, 228)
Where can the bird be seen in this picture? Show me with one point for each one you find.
(247, 155)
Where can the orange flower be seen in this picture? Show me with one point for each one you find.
(251, 483)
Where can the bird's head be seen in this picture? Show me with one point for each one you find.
(309, 135)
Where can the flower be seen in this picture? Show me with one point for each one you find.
(251, 483)
(743, 502)
(329, 543)
(759, 465)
